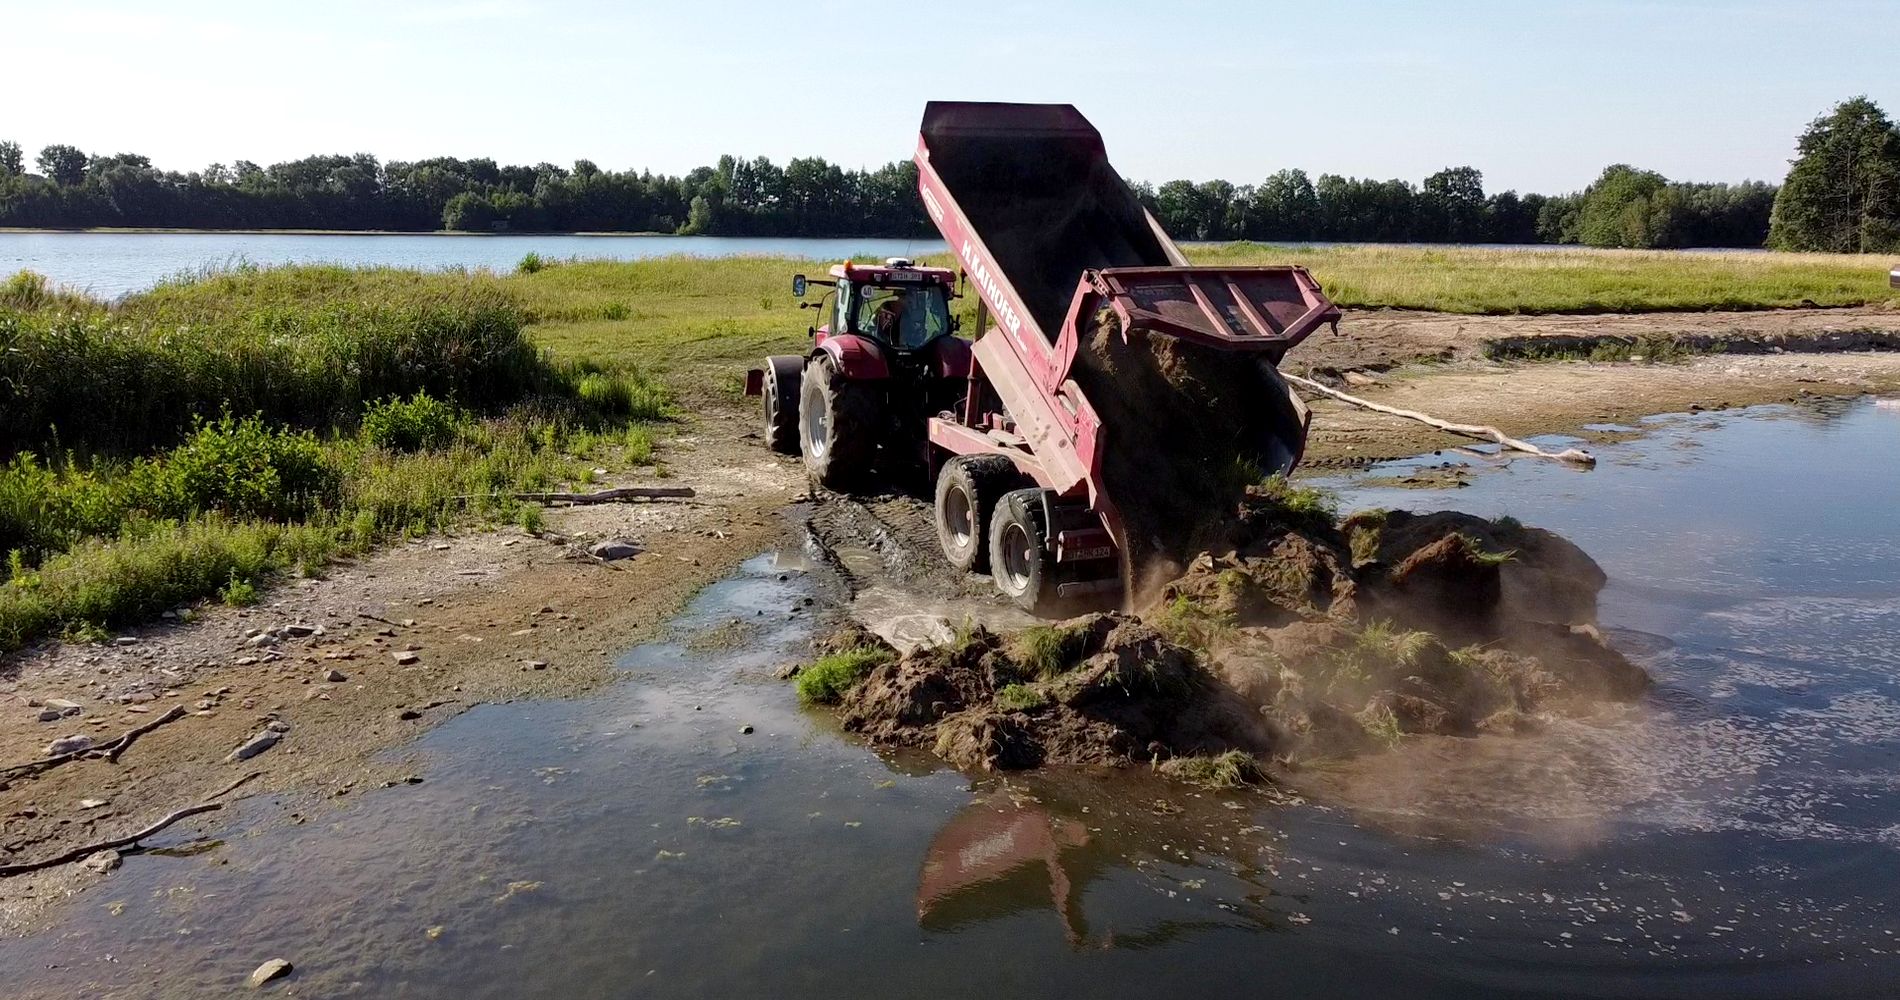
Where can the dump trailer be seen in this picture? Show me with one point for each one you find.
(1053, 243)
(1051, 238)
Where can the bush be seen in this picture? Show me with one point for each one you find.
(237, 467)
(826, 681)
(102, 583)
(531, 263)
(419, 423)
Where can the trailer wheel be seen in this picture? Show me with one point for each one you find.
(1020, 561)
(780, 392)
(839, 423)
(967, 489)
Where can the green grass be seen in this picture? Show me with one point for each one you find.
(1047, 650)
(826, 681)
(1572, 280)
(1381, 725)
(1187, 622)
(1307, 508)
(1020, 698)
(1233, 769)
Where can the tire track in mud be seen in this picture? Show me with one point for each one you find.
(878, 560)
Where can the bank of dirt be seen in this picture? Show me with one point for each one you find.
(414, 635)
(1300, 640)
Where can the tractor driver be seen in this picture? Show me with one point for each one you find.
(888, 321)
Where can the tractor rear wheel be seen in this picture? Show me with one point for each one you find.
(1020, 561)
(780, 392)
(839, 422)
(967, 490)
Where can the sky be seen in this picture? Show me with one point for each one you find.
(1540, 96)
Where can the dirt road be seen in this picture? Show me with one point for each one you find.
(357, 664)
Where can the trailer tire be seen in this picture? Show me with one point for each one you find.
(839, 423)
(783, 373)
(968, 487)
(1020, 561)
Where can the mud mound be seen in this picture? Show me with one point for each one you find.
(1185, 431)
(1105, 690)
(1281, 646)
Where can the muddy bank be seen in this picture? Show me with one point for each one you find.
(361, 661)
(1304, 640)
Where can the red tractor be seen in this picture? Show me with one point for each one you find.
(883, 361)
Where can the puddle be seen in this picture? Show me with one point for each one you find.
(1738, 834)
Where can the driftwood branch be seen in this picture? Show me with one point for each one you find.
(124, 743)
(210, 804)
(1574, 456)
(623, 494)
(106, 845)
(111, 749)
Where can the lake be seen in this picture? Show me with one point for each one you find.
(109, 265)
(1736, 833)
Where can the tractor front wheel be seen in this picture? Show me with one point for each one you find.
(839, 422)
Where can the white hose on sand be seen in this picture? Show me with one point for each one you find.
(1574, 456)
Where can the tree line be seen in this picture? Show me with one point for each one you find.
(1842, 193)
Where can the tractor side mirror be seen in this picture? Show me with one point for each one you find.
(798, 285)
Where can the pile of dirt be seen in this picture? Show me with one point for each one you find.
(1186, 430)
(1305, 639)
(1102, 689)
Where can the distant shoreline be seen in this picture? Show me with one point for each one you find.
(160, 231)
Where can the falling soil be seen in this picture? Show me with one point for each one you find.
(1282, 649)
(1186, 430)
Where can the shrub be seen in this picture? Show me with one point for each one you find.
(418, 423)
(237, 467)
(238, 592)
(531, 263)
(826, 681)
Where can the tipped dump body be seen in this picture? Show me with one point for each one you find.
(1113, 366)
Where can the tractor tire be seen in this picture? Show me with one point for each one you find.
(968, 487)
(780, 392)
(1020, 561)
(839, 424)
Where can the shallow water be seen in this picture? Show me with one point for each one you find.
(1737, 834)
(109, 265)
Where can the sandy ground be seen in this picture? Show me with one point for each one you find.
(476, 613)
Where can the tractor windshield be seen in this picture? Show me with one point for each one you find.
(906, 318)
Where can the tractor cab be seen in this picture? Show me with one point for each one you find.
(883, 362)
(899, 305)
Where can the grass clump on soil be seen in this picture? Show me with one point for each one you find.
(1020, 698)
(826, 681)
(1187, 622)
(1047, 650)
(1232, 769)
(1302, 508)
(1381, 725)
